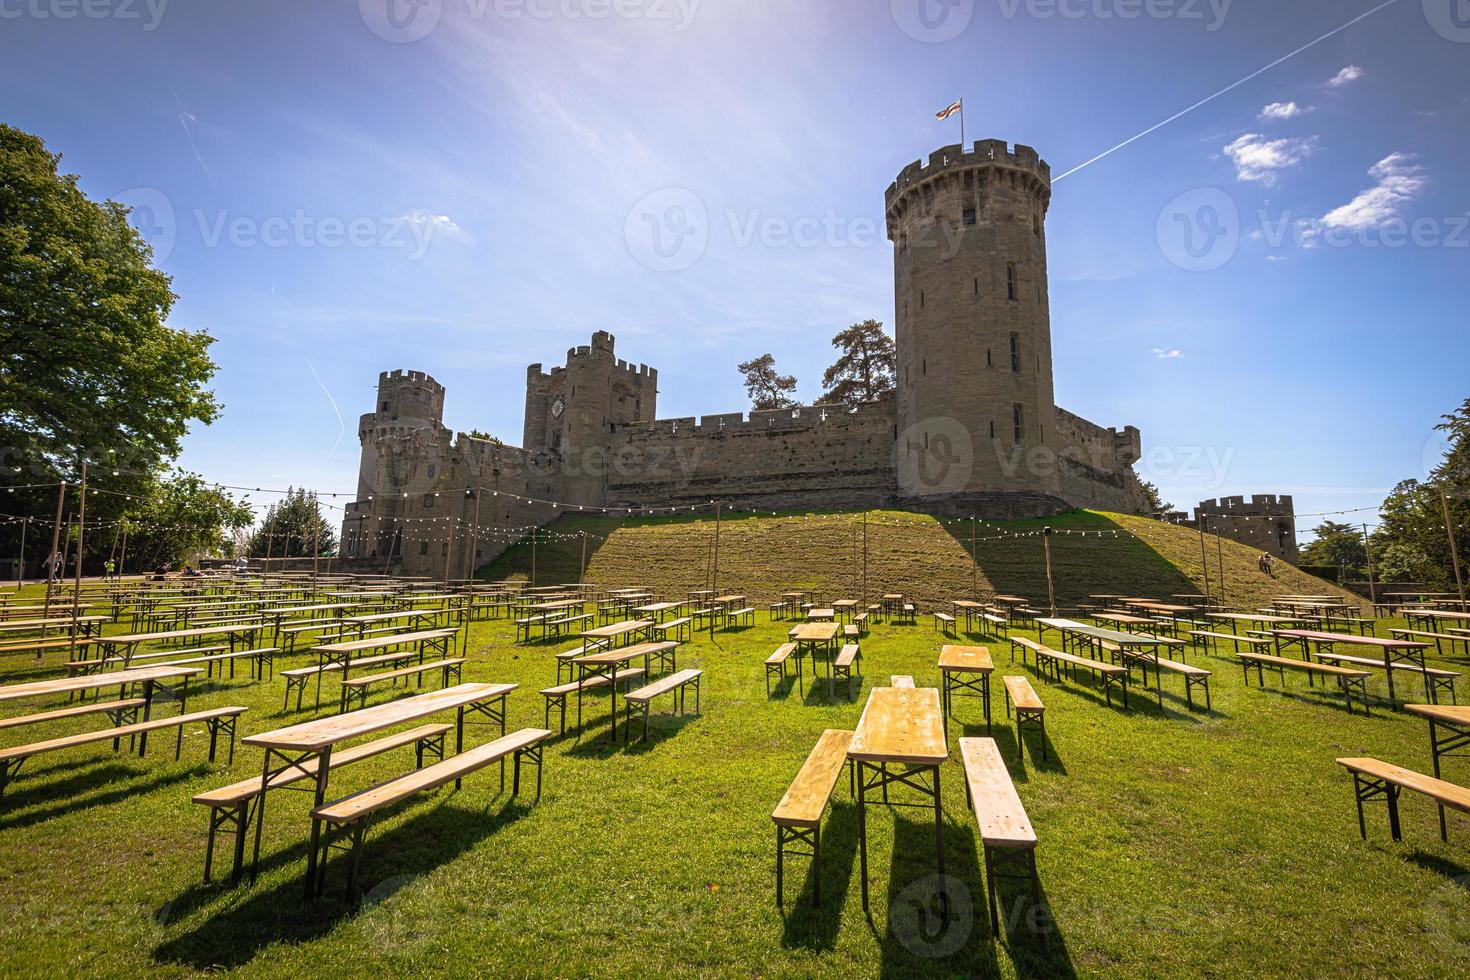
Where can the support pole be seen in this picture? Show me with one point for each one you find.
(122, 559)
(20, 567)
(1372, 583)
(1051, 592)
(51, 572)
(1204, 555)
(316, 529)
(865, 560)
(449, 549)
(534, 529)
(582, 569)
(974, 564)
(1449, 528)
(719, 508)
(1220, 554)
(76, 593)
(473, 555)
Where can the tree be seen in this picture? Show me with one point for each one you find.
(180, 520)
(767, 387)
(290, 526)
(864, 370)
(90, 367)
(1411, 543)
(1337, 545)
(1156, 502)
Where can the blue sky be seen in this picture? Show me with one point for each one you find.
(1273, 286)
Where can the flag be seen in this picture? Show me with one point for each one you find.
(944, 114)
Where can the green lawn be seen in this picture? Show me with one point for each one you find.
(1179, 844)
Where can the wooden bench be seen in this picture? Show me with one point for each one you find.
(676, 684)
(298, 678)
(231, 806)
(97, 665)
(777, 610)
(1206, 636)
(1029, 710)
(120, 712)
(1348, 680)
(356, 688)
(1193, 676)
(842, 666)
(1058, 663)
(258, 661)
(525, 624)
(908, 614)
(1373, 778)
(678, 627)
(216, 719)
(944, 623)
(1001, 623)
(556, 627)
(556, 697)
(345, 821)
(1439, 679)
(776, 664)
(741, 617)
(860, 622)
(566, 660)
(900, 680)
(1005, 830)
(798, 817)
(700, 615)
(1438, 638)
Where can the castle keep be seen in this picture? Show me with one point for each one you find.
(971, 429)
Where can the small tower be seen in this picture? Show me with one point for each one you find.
(976, 409)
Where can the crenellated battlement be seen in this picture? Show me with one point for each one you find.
(402, 378)
(1260, 505)
(985, 153)
(775, 420)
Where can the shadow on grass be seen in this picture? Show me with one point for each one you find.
(816, 928)
(110, 783)
(281, 915)
(1457, 873)
(1005, 741)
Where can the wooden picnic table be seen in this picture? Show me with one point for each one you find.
(341, 654)
(403, 615)
(609, 662)
(726, 601)
(965, 668)
(618, 631)
(891, 602)
(845, 608)
(153, 680)
(1075, 633)
(813, 637)
(1455, 720)
(1393, 651)
(658, 611)
(825, 615)
(129, 642)
(902, 728)
(295, 745)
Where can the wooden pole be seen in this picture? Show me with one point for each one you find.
(473, 555)
(974, 564)
(1449, 528)
(1051, 592)
(1204, 556)
(316, 528)
(582, 574)
(534, 529)
(719, 507)
(20, 568)
(55, 549)
(1372, 584)
(76, 593)
(865, 560)
(1220, 554)
(449, 549)
(122, 559)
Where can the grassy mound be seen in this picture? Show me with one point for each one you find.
(909, 553)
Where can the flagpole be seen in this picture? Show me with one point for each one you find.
(962, 125)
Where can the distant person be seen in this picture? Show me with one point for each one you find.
(190, 571)
(1268, 565)
(241, 566)
(109, 569)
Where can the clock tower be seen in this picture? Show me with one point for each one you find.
(573, 409)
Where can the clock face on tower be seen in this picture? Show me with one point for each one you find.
(557, 407)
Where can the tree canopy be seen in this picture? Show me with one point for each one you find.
(864, 370)
(1412, 543)
(767, 387)
(1338, 545)
(290, 527)
(179, 520)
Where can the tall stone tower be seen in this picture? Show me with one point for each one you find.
(976, 409)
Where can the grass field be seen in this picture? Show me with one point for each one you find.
(1171, 844)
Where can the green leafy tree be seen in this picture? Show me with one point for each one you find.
(180, 520)
(864, 370)
(1412, 542)
(1338, 545)
(290, 527)
(89, 368)
(1156, 502)
(767, 387)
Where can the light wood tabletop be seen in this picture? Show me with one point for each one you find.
(1450, 714)
(70, 685)
(815, 633)
(373, 643)
(972, 659)
(316, 735)
(901, 724)
(1002, 820)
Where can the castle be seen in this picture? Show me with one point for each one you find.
(972, 428)
(1266, 522)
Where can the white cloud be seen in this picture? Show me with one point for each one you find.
(1173, 354)
(1399, 180)
(1347, 76)
(1279, 111)
(1260, 159)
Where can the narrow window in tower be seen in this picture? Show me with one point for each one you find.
(423, 547)
(1035, 226)
(385, 406)
(428, 503)
(432, 470)
(1010, 280)
(926, 440)
(969, 216)
(923, 366)
(1016, 353)
(977, 286)
(921, 299)
(1017, 417)
(989, 358)
(992, 428)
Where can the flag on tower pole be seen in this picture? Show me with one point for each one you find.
(945, 113)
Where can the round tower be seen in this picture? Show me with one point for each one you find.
(976, 411)
(408, 402)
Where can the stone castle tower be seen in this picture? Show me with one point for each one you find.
(973, 326)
